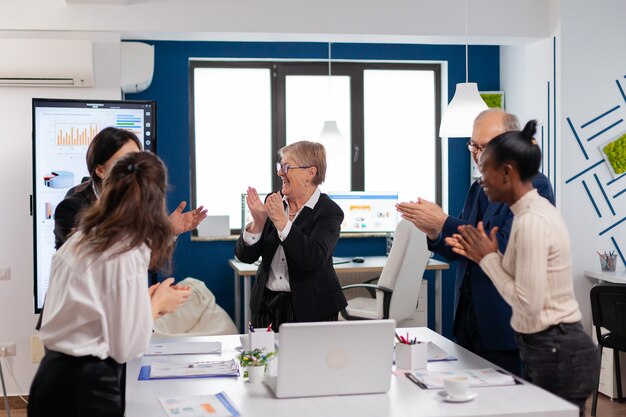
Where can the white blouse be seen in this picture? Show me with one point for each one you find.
(98, 305)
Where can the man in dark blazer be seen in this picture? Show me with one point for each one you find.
(482, 317)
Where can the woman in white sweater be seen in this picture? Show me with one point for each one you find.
(534, 274)
(98, 312)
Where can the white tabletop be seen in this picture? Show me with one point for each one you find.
(616, 277)
(403, 399)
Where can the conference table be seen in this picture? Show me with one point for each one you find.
(370, 264)
(403, 399)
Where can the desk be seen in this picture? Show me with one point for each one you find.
(616, 277)
(370, 264)
(403, 399)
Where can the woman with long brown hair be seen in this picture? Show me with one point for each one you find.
(98, 312)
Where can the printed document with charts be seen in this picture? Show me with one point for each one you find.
(218, 405)
(487, 377)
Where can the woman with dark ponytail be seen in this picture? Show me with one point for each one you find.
(534, 274)
(98, 310)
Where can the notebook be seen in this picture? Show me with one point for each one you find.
(334, 358)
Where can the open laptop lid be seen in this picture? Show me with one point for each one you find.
(334, 358)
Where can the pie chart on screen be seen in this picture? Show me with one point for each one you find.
(59, 179)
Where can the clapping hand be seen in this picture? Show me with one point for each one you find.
(166, 297)
(257, 209)
(425, 215)
(472, 242)
(276, 211)
(184, 222)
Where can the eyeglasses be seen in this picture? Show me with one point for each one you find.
(284, 168)
(473, 148)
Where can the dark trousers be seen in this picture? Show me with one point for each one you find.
(467, 334)
(71, 386)
(563, 360)
(276, 309)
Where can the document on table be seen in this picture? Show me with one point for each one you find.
(194, 369)
(437, 354)
(218, 405)
(191, 348)
(487, 377)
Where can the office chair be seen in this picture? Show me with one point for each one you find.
(608, 310)
(395, 296)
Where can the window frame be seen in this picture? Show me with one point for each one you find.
(280, 69)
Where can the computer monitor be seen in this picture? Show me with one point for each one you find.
(62, 132)
(367, 212)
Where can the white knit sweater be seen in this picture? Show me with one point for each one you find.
(534, 274)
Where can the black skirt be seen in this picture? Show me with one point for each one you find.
(71, 386)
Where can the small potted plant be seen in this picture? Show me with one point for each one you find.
(254, 361)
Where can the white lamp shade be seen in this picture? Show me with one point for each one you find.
(330, 132)
(458, 118)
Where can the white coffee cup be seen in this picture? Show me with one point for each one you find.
(456, 386)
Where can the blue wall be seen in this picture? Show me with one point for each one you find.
(170, 88)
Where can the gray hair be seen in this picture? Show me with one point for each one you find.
(511, 122)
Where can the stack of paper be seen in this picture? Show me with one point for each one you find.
(486, 377)
(194, 369)
(192, 348)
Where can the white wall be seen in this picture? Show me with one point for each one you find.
(591, 60)
(17, 320)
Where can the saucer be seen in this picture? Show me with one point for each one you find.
(468, 397)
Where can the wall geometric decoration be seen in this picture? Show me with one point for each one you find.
(602, 145)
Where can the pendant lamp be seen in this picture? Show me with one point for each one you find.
(330, 131)
(458, 118)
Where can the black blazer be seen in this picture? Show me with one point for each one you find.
(315, 289)
(76, 200)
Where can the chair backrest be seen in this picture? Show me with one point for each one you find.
(404, 270)
(608, 308)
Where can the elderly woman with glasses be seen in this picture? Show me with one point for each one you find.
(295, 231)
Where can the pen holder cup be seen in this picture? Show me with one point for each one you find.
(259, 340)
(411, 356)
(607, 262)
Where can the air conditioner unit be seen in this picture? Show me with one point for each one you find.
(46, 63)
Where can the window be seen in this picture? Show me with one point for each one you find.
(244, 112)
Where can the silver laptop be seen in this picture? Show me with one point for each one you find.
(334, 358)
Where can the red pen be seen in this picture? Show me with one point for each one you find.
(269, 328)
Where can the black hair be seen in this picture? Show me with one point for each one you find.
(103, 146)
(517, 147)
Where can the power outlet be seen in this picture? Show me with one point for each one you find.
(7, 349)
(36, 349)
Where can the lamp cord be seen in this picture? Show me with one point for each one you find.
(330, 89)
(466, 47)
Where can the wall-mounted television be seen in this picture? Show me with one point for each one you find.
(62, 131)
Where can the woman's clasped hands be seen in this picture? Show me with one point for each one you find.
(272, 208)
(473, 242)
(166, 297)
